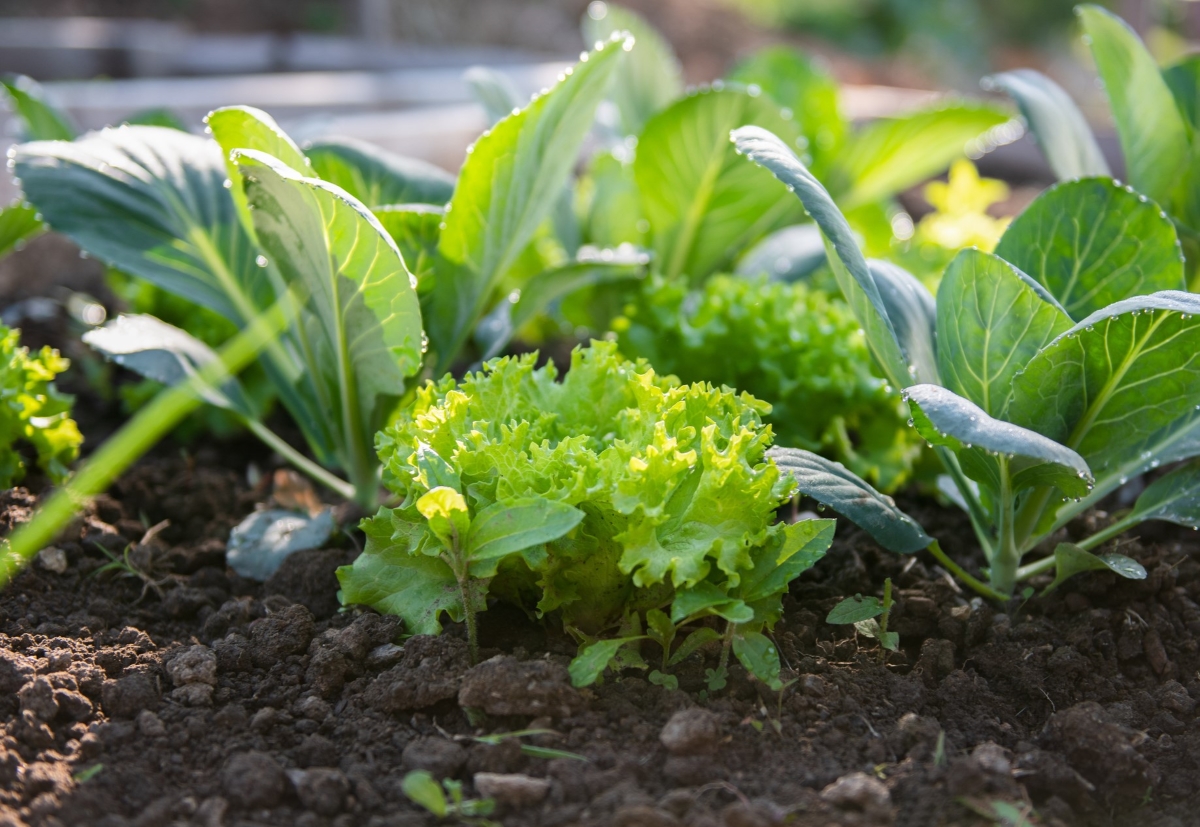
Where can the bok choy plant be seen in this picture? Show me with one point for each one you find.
(594, 500)
(1046, 375)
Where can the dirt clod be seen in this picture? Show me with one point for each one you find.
(690, 732)
(506, 686)
(127, 696)
(441, 757)
(512, 790)
(286, 632)
(321, 789)
(253, 779)
(858, 791)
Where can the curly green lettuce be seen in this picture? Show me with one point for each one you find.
(613, 491)
(790, 344)
(33, 413)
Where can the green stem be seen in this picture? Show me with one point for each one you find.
(727, 645)
(1034, 569)
(1107, 534)
(958, 571)
(1007, 559)
(979, 519)
(136, 437)
(302, 463)
(464, 590)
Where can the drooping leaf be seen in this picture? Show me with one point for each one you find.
(493, 90)
(893, 154)
(704, 203)
(1093, 242)
(790, 254)
(849, 266)
(795, 81)
(510, 181)
(19, 222)
(377, 177)
(1070, 560)
(259, 544)
(992, 319)
(152, 202)
(366, 321)
(649, 78)
(508, 527)
(830, 484)
(913, 314)
(1154, 137)
(1174, 497)
(41, 120)
(593, 659)
(760, 657)
(1055, 121)
(944, 418)
(159, 351)
(855, 609)
(1119, 385)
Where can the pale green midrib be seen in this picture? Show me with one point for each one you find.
(696, 210)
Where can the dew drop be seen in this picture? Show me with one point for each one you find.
(260, 260)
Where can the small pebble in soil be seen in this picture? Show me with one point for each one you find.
(253, 780)
(52, 559)
(196, 664)
(512, 789)
(691, 732)
(858, 791)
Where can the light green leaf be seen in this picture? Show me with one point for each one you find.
(704, 204)
(777, 564)
(1121, 384)
(510, 526)
(493, 90)
(795, 81)
(377, 177)
(992, 319)
(855, 609)
(1174, 497)
(660, 629)
(18, 223)
(1093, 242)
(157, 116)
(614, 214)
(1070, 560)
(760, 657)
(416, 229)
(692, 643)
(245, 127)
(830, 484)
(707, 598)
(446, 511)
(1153, 135)
(593, 659)
(649, 78)
(510, 181)
(152, 202)
(433, 471)
(41, 120)
(893, 154)
(1055, 121)
(365, 319)
(423, 790)
(944, 418)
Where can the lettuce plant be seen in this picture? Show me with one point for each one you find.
(608, 494)
(33, 413)
(1046, 375)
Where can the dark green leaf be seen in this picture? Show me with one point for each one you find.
(890, 641)
(854, 609)
(594, 658)
(664, 680)
(41, 120)
(790, 254)
(508, 527)
(1070, 560)
(992, 319)
(1055, 121)
(1174, 497)
(760, 657)
(1093, 242)
(778, 563)
(830, 484)
(660, 629)
(1183, 79)
(706, 598)
(377, 177)
(704, 204)
(913, 314)
(692, 642)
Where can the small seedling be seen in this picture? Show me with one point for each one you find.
(863, 611)
(446, 800)
(532, 750)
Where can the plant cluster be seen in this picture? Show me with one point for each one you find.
(33, 413)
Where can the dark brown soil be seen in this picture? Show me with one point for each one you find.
(194, 697)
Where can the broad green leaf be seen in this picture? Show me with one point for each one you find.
(705, 204)
(433, 471)
(1093, 242)
(152, 202)
(992, 319)
(660, 629)
(377, 177)
(855, 609)
(41, 120)
(1121, 384)
(422, 789)
(790, 254)
(415, 228)
(650, 78)
(593, 659)
(365, 321)
(1070, 560)
(392, 579)
(893, 154)
(693, 642)
(944, 418)
(912, 312)
(259, 544)
(244, 127)
(508, 527)
(1055, 121)
(166, 354)
(1154, 137)
(511, 180)
(1174, 497)
(494, 91)
(760, 657)
(18, 223)
(614, 210)
(855, 278)
(707, 598)
(776, 564)
(795, 81)
(446, 511)
(830, 484)
(1183, 79)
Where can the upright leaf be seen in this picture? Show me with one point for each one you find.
(705, 204)
(18, 223)
(1153, 135)
(650, 78)
(377, 177)
(893, 154)
(244, 127)
(760, 657)
(913, 314)
(512, 526)
(42, 120)
(494, 91)
(416, 229)
(1093, 242)
(777, 564)
(1060, 128)
(992, 319)
(1183, 79)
